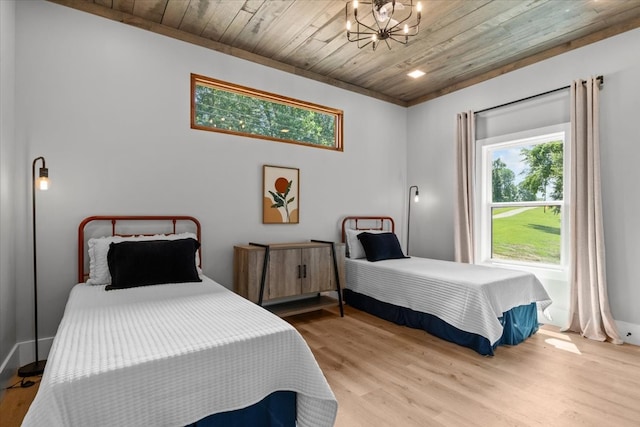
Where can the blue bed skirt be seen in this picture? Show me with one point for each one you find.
(276, 410)
(519, 323)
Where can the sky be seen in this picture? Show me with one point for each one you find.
(511, 157)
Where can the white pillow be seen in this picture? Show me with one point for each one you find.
(99, 248)
(354, 247)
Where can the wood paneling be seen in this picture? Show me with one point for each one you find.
(461, 42)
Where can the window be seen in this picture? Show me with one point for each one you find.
(522, 213)
(219, 106)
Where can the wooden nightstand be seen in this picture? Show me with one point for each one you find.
(291, 270)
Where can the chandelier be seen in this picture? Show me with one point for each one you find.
(381, 20)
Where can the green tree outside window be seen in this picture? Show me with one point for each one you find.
(224, 107)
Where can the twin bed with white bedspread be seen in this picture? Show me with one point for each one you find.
(475, 306)
(172, 355)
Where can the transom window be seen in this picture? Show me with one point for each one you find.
(219, 106)
(523, 216)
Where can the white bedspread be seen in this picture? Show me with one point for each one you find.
(169, 355)
(469, 297)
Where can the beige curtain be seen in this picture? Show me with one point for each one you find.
(465, 158)
(589, 304)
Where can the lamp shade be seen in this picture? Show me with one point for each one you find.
(43, 179)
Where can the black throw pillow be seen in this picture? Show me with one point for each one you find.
(381, 246)
(152, 262)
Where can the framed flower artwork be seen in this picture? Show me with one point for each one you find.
(280, 195)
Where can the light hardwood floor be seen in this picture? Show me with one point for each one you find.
(15, 403)
(388, 375)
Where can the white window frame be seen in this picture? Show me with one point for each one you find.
(484, 203)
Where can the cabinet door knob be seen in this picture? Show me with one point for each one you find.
(305, 271)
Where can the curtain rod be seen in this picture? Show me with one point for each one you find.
(600, 79)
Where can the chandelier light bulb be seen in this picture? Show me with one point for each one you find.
(387, 21)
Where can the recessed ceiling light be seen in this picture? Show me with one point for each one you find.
(416, 73)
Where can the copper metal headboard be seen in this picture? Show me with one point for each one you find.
(170, 222)
(370, 223)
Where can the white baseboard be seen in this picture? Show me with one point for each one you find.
(8, 369)
(21, 354)
(629, 332)
(557, 317)
(27, 350)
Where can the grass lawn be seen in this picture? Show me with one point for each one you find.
(532, 235)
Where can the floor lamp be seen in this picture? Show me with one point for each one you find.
(415, 199)
(42, 183)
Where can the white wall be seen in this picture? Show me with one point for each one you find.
(431, 146)
(7, 183)
(108, 106)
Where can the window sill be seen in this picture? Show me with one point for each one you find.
(550, 272)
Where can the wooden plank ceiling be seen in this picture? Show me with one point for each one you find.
(460, 43)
